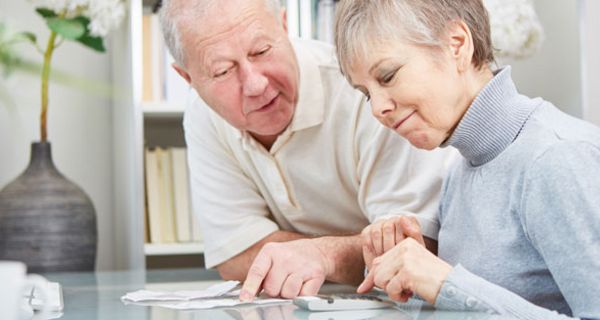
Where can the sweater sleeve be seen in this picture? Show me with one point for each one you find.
(463, 290)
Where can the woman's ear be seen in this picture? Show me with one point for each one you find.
(460, 44)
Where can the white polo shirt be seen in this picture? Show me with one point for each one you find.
(331, 172)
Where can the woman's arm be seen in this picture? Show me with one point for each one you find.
(463, 290)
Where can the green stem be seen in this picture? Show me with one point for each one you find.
(45, 77)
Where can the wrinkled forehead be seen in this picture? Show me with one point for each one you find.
(232, 24)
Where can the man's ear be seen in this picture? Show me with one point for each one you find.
(284, 19)
(182, 73)
(460, 43)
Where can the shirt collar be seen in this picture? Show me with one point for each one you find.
(310, 107)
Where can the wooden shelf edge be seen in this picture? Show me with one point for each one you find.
(161, 109)
(167, 249)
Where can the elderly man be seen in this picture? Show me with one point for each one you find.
(287, 165)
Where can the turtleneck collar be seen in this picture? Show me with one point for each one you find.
(492, 122)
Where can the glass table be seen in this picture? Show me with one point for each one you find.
(92, 296)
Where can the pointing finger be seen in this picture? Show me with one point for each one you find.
(367, 284)
(256, 274)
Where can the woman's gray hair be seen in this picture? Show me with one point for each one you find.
(361, 23)
(173, 12)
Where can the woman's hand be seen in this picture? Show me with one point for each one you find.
(406, 268)
(380, 237)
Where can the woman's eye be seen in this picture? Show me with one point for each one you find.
(388, 77)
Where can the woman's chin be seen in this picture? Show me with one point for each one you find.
(423, 142)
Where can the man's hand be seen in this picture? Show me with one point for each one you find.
(287, 269)
(408, 267)
(237, 267)
(380, 237)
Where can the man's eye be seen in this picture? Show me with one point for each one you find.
(221, 73)
(263, 51)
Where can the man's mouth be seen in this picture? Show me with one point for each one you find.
(269, 105)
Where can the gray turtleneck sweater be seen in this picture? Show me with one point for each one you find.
(520, 214)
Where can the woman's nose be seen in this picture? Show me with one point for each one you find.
(381, 105)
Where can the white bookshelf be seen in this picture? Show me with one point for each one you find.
(138, 124)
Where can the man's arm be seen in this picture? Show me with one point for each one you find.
(344, 255)
(299, 267)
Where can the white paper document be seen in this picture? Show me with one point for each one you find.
(219, 295)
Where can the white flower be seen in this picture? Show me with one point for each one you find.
(104, 15)
(54, 5)
(515, 27)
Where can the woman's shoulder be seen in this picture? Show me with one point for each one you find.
(550, 132)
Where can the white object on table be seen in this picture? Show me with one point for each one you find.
(219, 295)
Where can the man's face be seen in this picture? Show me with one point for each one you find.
(240, 61)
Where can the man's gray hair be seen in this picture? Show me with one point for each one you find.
(361, 23)
(172, 13)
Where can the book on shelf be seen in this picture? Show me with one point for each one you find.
(167, 212)
(181, 194)
(147, 71)
(170, 218)
(153, 196)
(160, 82)
(152, 59)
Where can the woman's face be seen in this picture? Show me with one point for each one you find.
(419, 92)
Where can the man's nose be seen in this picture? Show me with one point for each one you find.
(254, 82)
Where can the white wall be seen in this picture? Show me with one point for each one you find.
(79, 124)
(589, 11)
(554, 72)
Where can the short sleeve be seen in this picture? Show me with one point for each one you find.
(232, 213)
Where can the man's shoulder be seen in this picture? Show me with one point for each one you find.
(199, 116)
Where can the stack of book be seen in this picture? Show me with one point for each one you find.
(169, 216)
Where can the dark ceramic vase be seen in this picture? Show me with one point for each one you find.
(47, 221)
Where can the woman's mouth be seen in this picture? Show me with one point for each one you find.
(399, 123)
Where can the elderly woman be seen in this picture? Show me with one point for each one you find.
(520, 214)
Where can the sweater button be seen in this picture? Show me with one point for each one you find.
(450, 291)
(471, 302)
